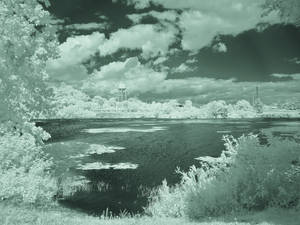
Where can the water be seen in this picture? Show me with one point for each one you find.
(120, 160)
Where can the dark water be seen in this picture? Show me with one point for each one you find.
(155, 147)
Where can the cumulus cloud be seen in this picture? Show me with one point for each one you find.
(200, 28)
(201, 21)
(151, 39)
(182, 68)
(203, 90)
(87, 26)
(191, 61)
(159, 60)
(144, 82)
(79, 48)
(138, 78)
(220, 47)
(71, 54)
(169, 16)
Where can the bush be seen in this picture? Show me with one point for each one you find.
(24, 168)
(247, 176)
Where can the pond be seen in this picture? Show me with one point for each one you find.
(121, 160)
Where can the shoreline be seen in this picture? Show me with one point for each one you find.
(266, 118)
(21, 215)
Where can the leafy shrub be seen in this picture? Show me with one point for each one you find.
(24, 168)
(247, 176)
(168, 201)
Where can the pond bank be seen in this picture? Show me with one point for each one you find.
(21, 215)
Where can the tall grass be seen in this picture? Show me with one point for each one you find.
(247, 176)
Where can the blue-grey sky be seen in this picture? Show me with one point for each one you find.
(164, 49)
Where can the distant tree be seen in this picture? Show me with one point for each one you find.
(243, 105)
(27, 41)
(99, 100)
(66, 95)
(188, 104)
(289, 106)
(72, 103)
(289, 10)
(218, 109)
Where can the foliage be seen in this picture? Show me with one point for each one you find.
(290, 105)
(242, 109)
(27, 40)
(217, 109)
(24, 168)
(72, 103)
(247, 176)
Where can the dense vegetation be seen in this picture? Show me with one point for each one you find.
(27, 41)
(72, 103)
(247, 176)
(25, 170)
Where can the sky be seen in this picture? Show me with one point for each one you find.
(174, 49)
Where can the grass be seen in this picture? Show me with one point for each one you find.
(21, 215)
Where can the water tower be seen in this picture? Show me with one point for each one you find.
(122, 92)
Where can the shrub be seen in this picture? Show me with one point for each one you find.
(247, 176)
(24, 168)
(167, 201)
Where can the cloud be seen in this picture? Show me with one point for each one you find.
(151, 39)
(79, 48)
(295, 60)
(148, 84)
(159, 60)
(201, 21)
(139, 4)
(182, 68)
(220, 47)
(55, 21)
(203, 90)
(138, 78)
(191, 61)
(169, 16)
(87, 26)
(200, 28)
(67, 67)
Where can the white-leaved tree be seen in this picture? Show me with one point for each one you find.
(27, 41)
